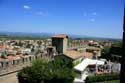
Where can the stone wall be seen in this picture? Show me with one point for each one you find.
(16, 65)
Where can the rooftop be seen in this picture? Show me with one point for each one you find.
(73, 54)
(60, 36)
(93, 48)
(87, 62)
(87, 54)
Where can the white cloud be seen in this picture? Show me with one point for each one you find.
(92, 20)
(26, 7)
(94, 13)
(41, 13)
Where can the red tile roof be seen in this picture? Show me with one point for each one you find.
(72, 54)
(10, 58)
(87, 55)
(60, 36)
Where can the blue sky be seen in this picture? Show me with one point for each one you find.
(101, 18)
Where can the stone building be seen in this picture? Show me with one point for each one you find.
(60, 41)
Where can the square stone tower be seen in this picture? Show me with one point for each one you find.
(60, 41)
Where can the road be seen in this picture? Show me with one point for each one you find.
(10, 78)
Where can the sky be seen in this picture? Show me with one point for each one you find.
(99, 18)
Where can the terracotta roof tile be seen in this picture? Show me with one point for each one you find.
(87, 55)
(93, 48)
(72, 54)
(60, 36)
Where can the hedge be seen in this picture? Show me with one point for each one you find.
(100, 78)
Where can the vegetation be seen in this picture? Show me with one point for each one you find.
(108, 52)
(115, 49)
(56, 71)
(3, 56)
(101, 78)
(117, 44)
(113, 81)
(6, 37)
(105, 53)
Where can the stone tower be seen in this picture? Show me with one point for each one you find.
(60, 41)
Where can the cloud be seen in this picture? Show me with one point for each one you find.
(26, 7)
(40, 13)
(92, 20)
(94, 13)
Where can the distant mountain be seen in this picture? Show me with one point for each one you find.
(37, 34)
(20, 34)
(46, 35)
(78, 36)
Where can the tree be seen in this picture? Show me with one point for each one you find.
(28, 45)
(33, 74)
(61, 71)
(56, 71)
(117, 44)
(3, 56)
(116, 50)
(105, 53)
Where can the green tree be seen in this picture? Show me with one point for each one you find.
(33, 74)
(105, 53)
(3, 56)
(61, 71)
(56, 71)
(117, 44)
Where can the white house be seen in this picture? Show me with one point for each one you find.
(82, 69)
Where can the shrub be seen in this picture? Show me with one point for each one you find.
(104, 77)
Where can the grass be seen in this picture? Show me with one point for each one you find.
(113, 81)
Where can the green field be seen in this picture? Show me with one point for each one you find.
(113, 81)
